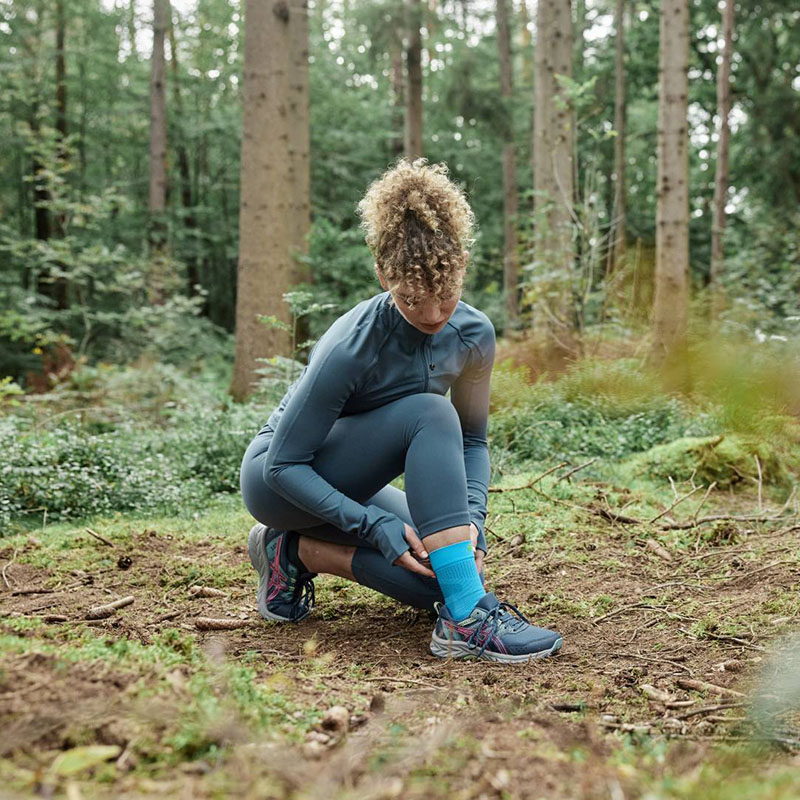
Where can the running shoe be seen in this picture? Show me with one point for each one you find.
(285, 592)
(493, 631)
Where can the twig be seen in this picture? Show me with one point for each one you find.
(107, 610)
(206, 591)
(658, 549)
(530, 484)
(702, 502)
(675, 503)
(99, 537)
(760, 569)
(708, 710)
(209, 624)
(569, 474)
(13, 559)
(705, 686)
(760, 481)
(674, 488)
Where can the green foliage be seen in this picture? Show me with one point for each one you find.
(71, 471)
(596, 409)
(725, 460)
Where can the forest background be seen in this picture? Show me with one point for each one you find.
(637, 190)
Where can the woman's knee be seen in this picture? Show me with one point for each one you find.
(433, 409)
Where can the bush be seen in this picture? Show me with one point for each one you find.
(74, 472)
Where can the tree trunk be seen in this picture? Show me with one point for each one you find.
(527, 44)
(299, 138)
(617, 233)
(60, 289)
(671, 300)
(266, 230)
(553, 171)
(398, 100)
(721, 182)
(413, 142)
(510, 262)
(132, 28)
(193, 256)
(158, 128)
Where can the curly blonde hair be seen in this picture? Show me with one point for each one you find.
(418, 225)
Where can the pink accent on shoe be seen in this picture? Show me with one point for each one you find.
(277, 583)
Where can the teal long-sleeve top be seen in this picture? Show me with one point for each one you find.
(370, 356)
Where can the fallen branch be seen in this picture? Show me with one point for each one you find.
(206, 591)
(568, 475)
(708, 710)
(675, 503)
(658, 549)
(210, 624)
(109, 609)
(530, 484)
(99, 537)
(13, 559)
(703, 686)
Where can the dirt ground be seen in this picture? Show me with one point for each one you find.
(667, 662)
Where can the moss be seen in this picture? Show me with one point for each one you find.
(727, 460)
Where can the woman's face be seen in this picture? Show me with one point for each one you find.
(428, 315)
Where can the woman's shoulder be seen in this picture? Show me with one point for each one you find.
(354, 335)
(473, 326)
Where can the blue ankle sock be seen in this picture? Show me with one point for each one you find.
(458, 578)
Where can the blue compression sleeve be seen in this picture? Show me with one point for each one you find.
(458, 578)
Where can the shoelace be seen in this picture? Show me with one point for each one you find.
(305, 594)
(499, 617)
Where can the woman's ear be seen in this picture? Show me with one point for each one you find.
(381, 279)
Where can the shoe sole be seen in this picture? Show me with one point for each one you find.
(447, 648)
(258, 558)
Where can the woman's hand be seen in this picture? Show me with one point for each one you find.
(479, 554)
(409, 561)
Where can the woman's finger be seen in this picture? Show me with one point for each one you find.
(410, 563)
(479, 554)
(415, 543)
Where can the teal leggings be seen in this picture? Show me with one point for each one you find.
(419, 436)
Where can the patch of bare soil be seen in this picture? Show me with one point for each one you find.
(667, 647)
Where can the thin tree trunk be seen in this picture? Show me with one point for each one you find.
(721, 182)
(413, 129)
(192, 257)
(553, 169)
(60, 289)
(671, 300)
(158, 128)
(510, 261)
(618, 232)
(132, 28)
(527, 44)
(398, 100)
(299, 139)
(265, 228)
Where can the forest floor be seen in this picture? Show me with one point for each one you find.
(665, 687)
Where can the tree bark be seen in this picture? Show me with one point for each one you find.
(510, 260)
(266, 231)
(413, 128)
(618, 233)
(158, 127)
(527, 44)
(398, 101)
(189, 220)
(299, 138)
(671, 300)
(721, 181)
(553, 171)
(132, 28)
